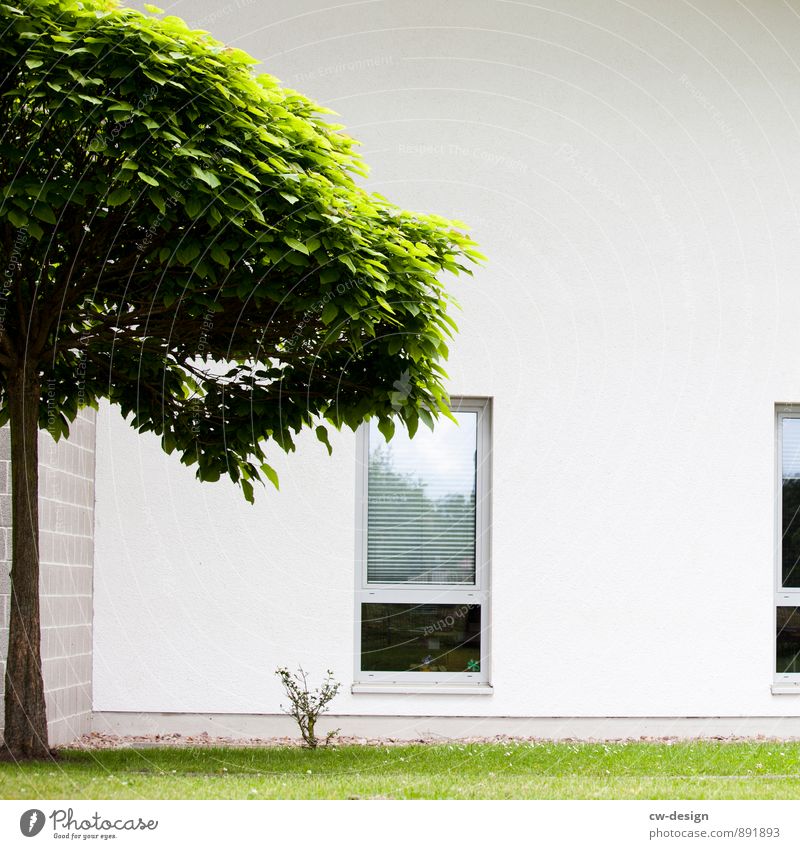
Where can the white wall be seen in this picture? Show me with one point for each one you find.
(632, 172)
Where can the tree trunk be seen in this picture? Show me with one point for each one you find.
(25, 731)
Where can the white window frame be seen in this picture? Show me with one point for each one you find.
(784, 597)
(475, 593)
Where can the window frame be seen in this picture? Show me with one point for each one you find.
(418, 593)
(783, 596)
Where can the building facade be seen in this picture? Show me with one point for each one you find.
(629, 353)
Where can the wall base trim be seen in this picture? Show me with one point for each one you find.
(243, 726)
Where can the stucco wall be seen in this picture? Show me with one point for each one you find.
(632, 174)
(66, 519)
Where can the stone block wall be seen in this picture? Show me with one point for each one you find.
(66, 535)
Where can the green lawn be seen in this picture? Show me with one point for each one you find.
(693, 770)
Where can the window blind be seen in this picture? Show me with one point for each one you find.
(790, 461)
(421, 504)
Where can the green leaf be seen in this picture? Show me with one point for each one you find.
(426, 417)
(187, 252)
(322, 436)
(151, 181)
(43, 212)
(158, 200)
(193, 207)
(118, 196)
(154, 76)
(296, 244)
(271, 474)
(329, 275)
(386, 427)
(18, 219)
(208, 177)
(384, 304)
(34, 63)
(329, 312)
(220, 256)
(395, 345)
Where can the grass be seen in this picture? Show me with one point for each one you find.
(514, 770)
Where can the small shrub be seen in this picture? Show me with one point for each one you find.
(306, 706)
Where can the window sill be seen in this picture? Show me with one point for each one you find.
(785, 689)
(397, 688)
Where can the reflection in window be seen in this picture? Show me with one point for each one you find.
(421, 504)
(788, 640)
(420, 638)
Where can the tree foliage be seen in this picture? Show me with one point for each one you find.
(189, 239)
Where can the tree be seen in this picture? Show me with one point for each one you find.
(188, 240)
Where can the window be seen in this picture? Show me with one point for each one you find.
(422, 577)
(787, 596)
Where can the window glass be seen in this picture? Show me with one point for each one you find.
(421, 504)
(788, 640)
(420, 637)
